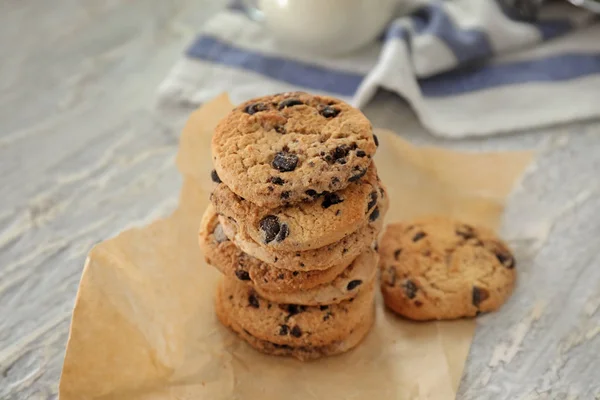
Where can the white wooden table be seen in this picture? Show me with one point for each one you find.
(85, 152)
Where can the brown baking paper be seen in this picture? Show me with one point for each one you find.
(144, 327)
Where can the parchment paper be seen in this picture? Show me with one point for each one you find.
(144, 328)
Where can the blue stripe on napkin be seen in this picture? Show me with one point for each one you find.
(209, 48)
(551, 69)
(554, 28)
(555, 68)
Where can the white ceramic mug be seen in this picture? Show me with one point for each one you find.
(328, 27)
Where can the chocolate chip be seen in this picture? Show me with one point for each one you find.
(329, 112)
(397, 253)
(270, 227)
(326, 316)
(280, 129)
(382, 192)
(376, 247)
(418, 236)
(479, 295)
(292, 309)
(376, 140)
(323, 308)
(285, 162)
(219, 235)
(284, 330)
(270, 188)
(311, 193)
(410, 289)
(374, 215)
(344, 251)
(335, 181)
(295, 273)
(254, 108)
(505, 258)
(253, 300)
(353, 284)
(277, 180)
(330, 199)
(340, 152)
(302, 265)
(282, 346)
(372, 200)
(341, 161)
(285, 195)
(289, 103)
(360, 153)
(358, 175)
(296, 331)
(214, 176)
(242, 275)
(466, 232)
(280, 276)
(283, 233)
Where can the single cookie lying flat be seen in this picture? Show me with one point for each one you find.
(282, 149)
(279, 285)
(308, 225)
(302, 331)
(438, 268)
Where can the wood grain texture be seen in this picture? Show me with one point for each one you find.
(85, 153)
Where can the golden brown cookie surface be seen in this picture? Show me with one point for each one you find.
(279, 285)
(291, 325)
(284, 148)
(438, 268)
(332, 255)
(325, 219)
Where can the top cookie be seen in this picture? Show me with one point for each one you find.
(287, 147)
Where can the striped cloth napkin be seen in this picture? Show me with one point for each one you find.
(465, 67)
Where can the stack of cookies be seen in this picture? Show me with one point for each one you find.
(293, 223)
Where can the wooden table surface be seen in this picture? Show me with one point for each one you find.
(85, 152)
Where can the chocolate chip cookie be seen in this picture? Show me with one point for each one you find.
(324, 258)
(280, 285)
(292, 327)
(305, 353)
(225, 255)
(290, 147)
(439, 268)
(356, 277)
(308, 225)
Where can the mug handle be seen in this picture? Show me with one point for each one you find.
(250, 9)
